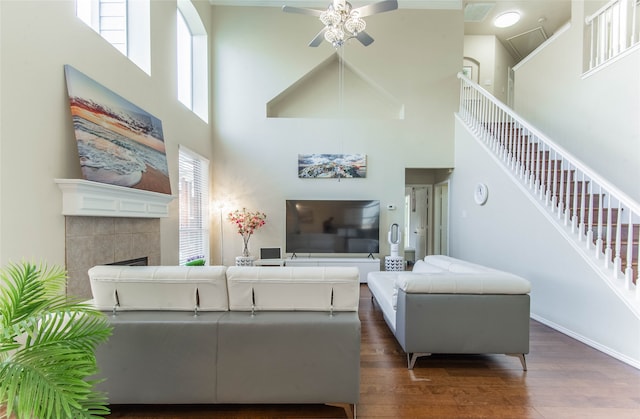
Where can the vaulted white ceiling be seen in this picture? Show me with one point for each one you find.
(540, 18)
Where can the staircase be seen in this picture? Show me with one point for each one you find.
(601, 221)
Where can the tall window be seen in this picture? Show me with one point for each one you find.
(185, 62)
(113, 23)
(125, 24)
(192, 60)
(194, 206)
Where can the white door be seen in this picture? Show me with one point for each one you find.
(441, 219)
(510, 87)
(418, 231)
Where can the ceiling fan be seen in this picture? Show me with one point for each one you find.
(342, 22)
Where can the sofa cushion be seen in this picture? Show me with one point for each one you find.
(419, 266)
(450, 264)
(383, 287)
(293, 288)
(422, 266)
(285, 357)
(440, 261)
(494, 282)
(159, 287)
(160, 357)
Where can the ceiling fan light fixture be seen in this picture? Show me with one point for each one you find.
(506, 19)
(330, 17)
(342, 22)
(355, 24)
(335, 36)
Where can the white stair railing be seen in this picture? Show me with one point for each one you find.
(595, 212)
(613, 29)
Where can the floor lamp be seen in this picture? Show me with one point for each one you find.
(220, 208)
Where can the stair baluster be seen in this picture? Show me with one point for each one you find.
(583, 203)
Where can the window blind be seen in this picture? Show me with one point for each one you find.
(194, 206)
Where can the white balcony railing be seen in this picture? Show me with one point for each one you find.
(602, 221)
(613, 30)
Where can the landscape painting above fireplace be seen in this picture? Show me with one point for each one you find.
(332, 165)
(118, 142)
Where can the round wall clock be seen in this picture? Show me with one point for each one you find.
(481, 194)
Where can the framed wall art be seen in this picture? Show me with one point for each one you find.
(332, 166)
(467, 71)
(118, 143)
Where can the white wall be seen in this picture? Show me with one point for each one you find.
(509, 233)
(415, 58)
(596, 117)
(482, 49)
(494, 61)
(503, 61)
(260, 52)
(37, 142)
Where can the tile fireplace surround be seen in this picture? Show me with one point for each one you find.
(106, 224)
(91, 241)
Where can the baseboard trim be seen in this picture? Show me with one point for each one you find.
(595, 345)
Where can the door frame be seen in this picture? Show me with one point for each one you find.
(428, 216)
(441, 217)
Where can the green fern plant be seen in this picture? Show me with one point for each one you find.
(47, 347)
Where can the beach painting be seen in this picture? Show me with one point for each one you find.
(331, 166)
(118, 143)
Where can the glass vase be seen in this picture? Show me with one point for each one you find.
(245, 247)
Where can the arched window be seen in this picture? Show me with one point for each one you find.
(192, 60)
(124, 24)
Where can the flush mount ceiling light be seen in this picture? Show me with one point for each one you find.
(506, 19)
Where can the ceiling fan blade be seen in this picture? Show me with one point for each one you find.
(379, 7)
(318, 39)
(364, 38)
(301, 10)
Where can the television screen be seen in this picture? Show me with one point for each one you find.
(332, 226)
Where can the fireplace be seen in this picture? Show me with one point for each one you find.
(91, 241)
(107, 223)
(143, 261)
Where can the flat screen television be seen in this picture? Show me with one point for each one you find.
(332, 226)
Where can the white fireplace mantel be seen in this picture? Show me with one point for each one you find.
(86, 198)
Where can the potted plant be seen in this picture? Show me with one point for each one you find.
(195, 261)
(47, 347)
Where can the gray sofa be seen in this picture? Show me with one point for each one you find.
(187, 335)
(450, 306)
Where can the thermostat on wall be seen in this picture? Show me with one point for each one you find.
(481, 194)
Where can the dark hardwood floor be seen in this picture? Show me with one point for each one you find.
(565, 379)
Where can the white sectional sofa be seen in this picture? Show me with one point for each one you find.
(229, 335)
(451, 306)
